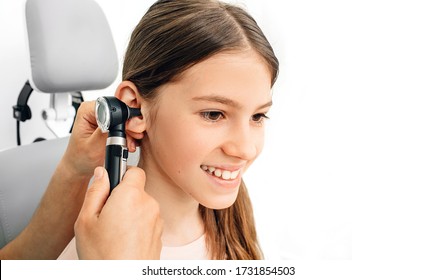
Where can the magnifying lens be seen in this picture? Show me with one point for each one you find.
(111, 114)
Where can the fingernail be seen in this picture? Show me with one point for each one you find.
(98, 173)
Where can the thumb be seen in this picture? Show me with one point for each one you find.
(134, 177)
(97, 193)
(98, 138)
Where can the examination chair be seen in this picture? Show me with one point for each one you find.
(71, 49)
(24, 175)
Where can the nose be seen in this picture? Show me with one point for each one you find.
(243, 142)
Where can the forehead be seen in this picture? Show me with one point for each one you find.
(237, 60)
(226, 72)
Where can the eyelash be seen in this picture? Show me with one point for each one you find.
(206, 115)
(262, 116)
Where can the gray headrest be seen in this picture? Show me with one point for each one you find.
(71, 46)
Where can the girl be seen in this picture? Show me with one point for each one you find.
(201, 72)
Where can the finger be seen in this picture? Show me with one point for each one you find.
(132, 139)
(134, 177)
(86, 112)
(98, 138)
(131, 144)
(87, 109)
(97, 193)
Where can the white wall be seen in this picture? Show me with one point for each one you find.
(350, 144)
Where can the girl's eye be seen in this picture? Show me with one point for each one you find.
(212, 116)
(259, 118)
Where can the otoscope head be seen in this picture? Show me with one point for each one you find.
(111, 114)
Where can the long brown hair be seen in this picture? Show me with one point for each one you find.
(173, 36)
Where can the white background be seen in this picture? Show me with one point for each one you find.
(349, 156)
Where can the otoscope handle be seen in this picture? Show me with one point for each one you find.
(116, 160)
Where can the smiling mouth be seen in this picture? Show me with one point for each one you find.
(221, 173)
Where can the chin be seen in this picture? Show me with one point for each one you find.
(219, 204)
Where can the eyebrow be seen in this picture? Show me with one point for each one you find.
(226, 101)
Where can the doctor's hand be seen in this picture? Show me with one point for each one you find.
(125, 225)
(87, 143)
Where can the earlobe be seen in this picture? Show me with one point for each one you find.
(128, 93)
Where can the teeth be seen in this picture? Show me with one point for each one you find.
(217, 172)
(226, 175)
(223, 174)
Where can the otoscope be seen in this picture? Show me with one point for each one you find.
(111, 114)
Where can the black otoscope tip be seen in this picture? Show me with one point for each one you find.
(133, 112)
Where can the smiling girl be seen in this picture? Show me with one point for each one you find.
(201, 72)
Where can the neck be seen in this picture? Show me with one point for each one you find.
(179, 211)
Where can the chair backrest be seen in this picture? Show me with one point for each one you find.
(25, 172)
(71, 50)
(71, 46)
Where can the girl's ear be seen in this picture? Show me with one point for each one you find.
(128, 93)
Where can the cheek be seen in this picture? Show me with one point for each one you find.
(258, 141)
(258, 138)
(178, 143)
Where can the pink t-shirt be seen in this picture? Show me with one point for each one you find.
(196, 250)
